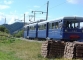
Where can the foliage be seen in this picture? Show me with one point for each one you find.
(19, 34)
(16, 49)
(6, 38)
(23, 50)
(3, 29)
(14, 27)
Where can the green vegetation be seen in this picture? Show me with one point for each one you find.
(14, 27)
(15, 49)
(19, 34)
(3, 29)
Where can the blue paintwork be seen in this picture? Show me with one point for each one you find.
(25, 34)
(59, 33)
(43, 33)
(66, 35)
(33, 33)
(55, 33)
(26, 30)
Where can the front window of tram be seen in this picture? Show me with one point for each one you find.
(81, 25)
(71, 24)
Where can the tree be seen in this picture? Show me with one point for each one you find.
(19, 34)
(3, 29)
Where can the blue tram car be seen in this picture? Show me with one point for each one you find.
(66, 28)
(42, 30)
(32, 31)
(72, 28)
(55, 29)
(26, 30)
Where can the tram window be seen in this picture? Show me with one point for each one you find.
(56, 25)
(76, 25)
(81, 25)
(42, 27)
(71, 24)
(50, 25)
(53, 26)
(39, 27)
(67, 24)
(32, 28)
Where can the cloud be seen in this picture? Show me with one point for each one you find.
(36, 6)
(7, 2)
(12, 19)
(2, 18)
(20, 17)
(4, 7)
(75, 1)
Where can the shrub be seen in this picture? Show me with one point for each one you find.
(3, 29)
(19, 34)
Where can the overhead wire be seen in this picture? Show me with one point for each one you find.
(51, 7)
(58, 5)
(41, 6)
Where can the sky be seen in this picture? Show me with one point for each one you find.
(14, 10)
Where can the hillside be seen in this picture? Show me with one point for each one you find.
(14, 27)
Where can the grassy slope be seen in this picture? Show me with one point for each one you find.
(20, 50)
(5, 42)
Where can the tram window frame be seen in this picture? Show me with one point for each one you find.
(81, 25)
(71, 24)
(60, 25)
(53, 25)
(42, 27)
(50, 25)
(32, 28)
(56, 25)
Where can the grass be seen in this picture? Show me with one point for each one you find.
(22, 50)
(7, 56)
(15, 49)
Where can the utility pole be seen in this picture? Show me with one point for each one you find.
(35, 13)
(42, 11)
(21, 20)
(47, 10)
(5, 20)
(24, 19)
